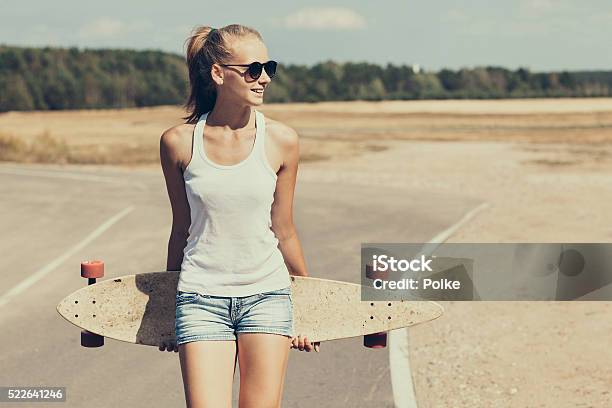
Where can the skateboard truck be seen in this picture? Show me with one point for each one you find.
(92, 270)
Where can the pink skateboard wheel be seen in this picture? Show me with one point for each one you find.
(92, 269)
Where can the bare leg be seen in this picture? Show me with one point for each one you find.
(208, 372)
(263, 362)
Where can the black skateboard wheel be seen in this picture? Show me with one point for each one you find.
(89, 339)
(375, 340)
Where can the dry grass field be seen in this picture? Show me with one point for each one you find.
(130, 137)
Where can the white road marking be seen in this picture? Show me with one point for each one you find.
(399, 356)
(56, 174)
(42, 272)
(399, 366)
(435, 242)
(70, 176)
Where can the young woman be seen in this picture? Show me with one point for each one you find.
(230, 174)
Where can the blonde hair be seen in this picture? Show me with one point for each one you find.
(205, 47)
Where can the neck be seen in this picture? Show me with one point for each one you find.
(226, 115)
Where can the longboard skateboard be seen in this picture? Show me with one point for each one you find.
(140, 309)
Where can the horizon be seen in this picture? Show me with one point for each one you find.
(87, 48)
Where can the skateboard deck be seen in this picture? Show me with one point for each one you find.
(141, 308)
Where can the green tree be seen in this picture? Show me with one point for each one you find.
(15, 93)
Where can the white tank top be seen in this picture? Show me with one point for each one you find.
(231, 249)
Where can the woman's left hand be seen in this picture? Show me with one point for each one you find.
(302, 344)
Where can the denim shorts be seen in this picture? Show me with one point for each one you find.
(207, 317)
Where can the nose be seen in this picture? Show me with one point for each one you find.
(264, 78)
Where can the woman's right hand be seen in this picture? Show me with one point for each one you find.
(302, 343)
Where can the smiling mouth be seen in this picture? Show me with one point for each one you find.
(258, 92)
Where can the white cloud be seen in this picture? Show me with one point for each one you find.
(103, 28)
(454, 15)
(325, 18)
(538, 6)
(549, 8)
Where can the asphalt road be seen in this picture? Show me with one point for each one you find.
(47, 218)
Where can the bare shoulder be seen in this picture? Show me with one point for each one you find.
(176, 134)
(176, 142)
(282, 135)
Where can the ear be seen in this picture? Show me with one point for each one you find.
(216, 73)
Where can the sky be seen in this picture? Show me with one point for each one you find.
(542, 35)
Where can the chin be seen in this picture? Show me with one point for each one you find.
(257, 102)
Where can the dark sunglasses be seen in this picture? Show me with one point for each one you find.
(255, 68)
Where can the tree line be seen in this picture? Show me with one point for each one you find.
(71, 78)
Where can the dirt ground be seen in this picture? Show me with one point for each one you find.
(508, 354)
(543, 166)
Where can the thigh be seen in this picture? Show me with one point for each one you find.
(264, 332)
(207, 349)
(208, 372)
(262, 359)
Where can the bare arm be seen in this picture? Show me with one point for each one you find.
(181, 217)
(282, 208)
(282, 218)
